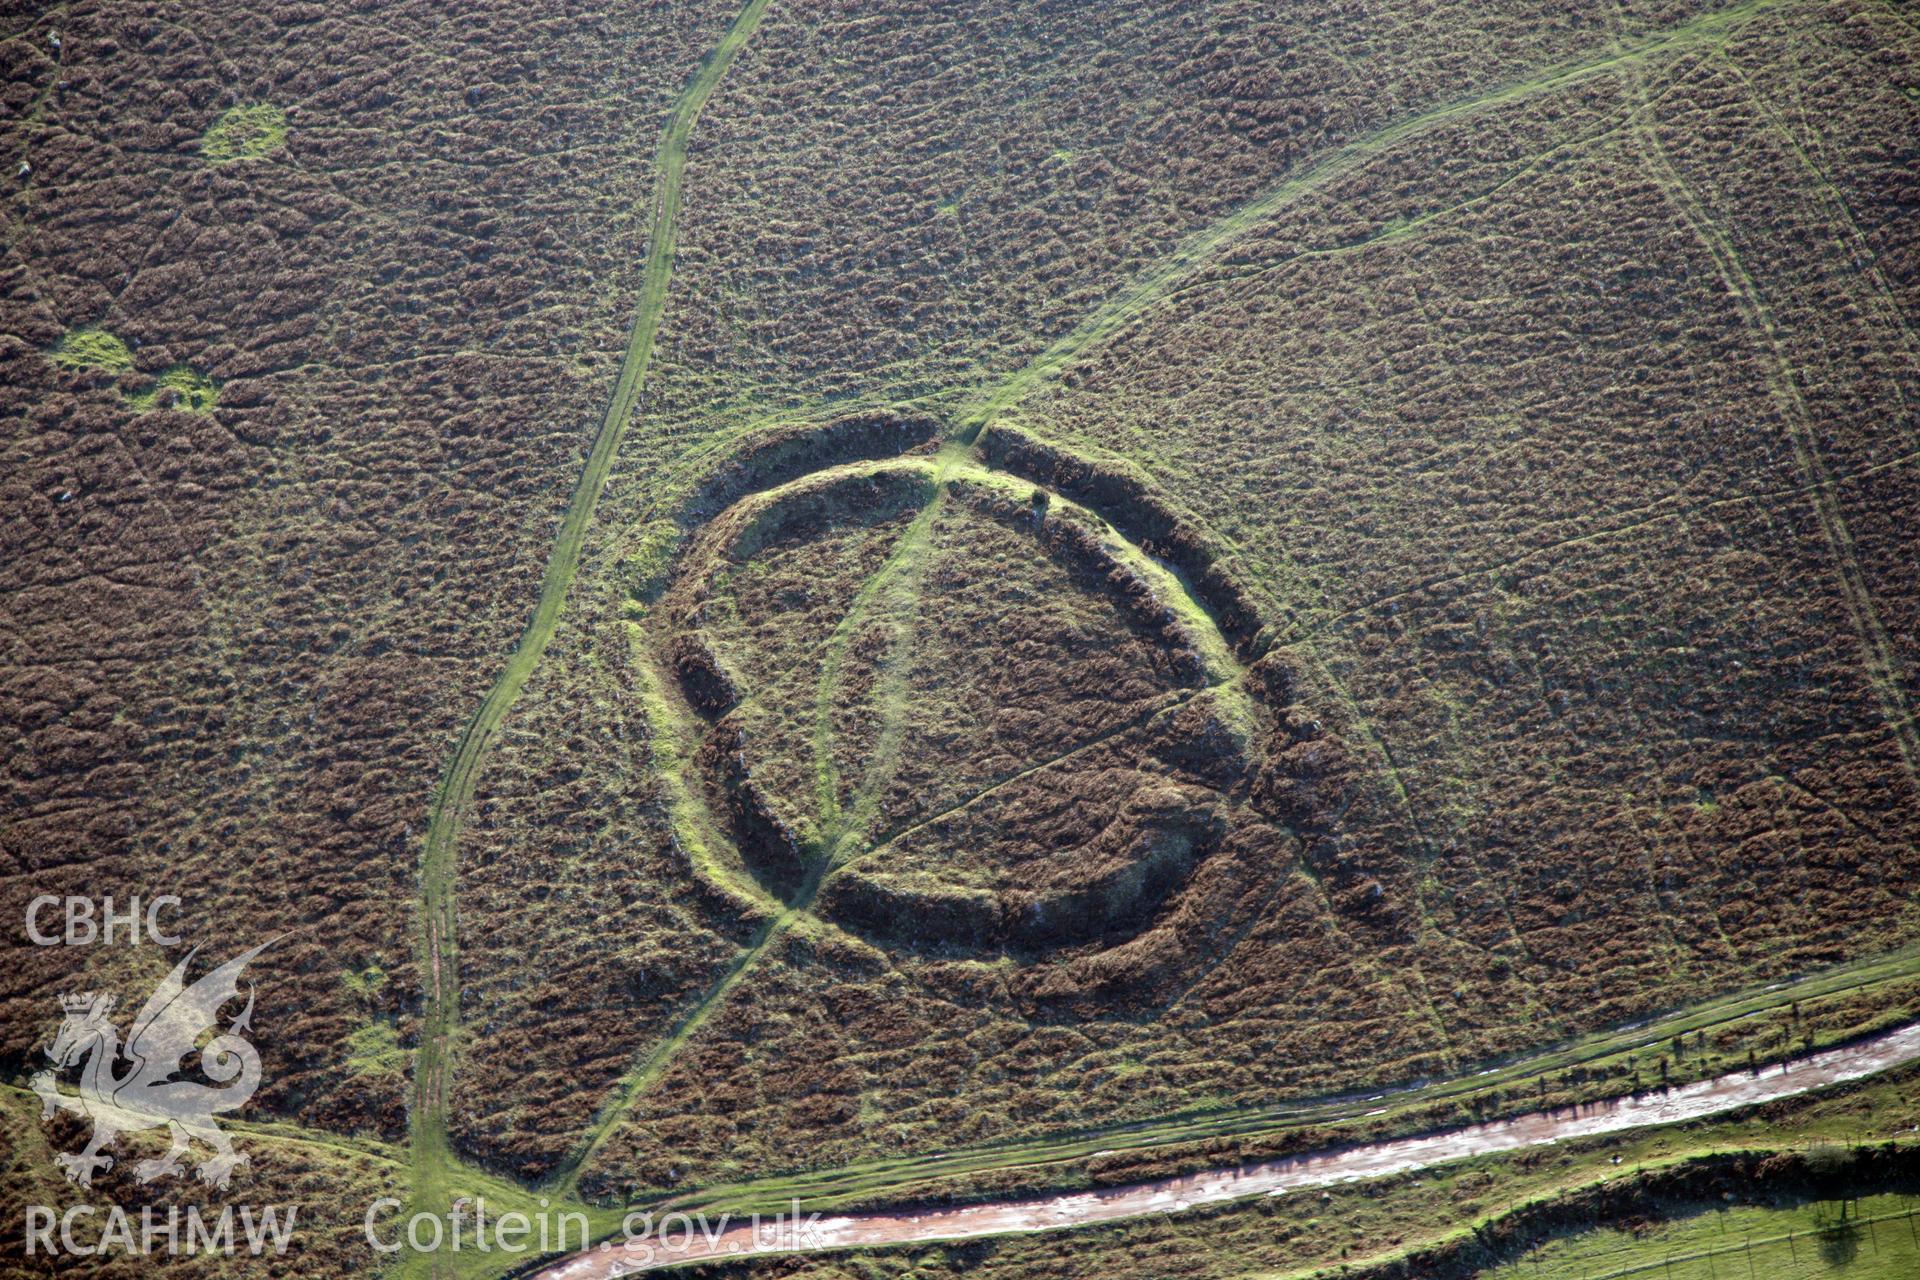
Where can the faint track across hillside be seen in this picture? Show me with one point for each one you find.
(1152, 287)
(439, 951)
(1200, 251)
(1881, 666)
(1203, 248)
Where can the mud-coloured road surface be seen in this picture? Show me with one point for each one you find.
(1172, 1195)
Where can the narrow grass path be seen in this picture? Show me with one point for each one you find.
(673, 724)
(638, 1080)
(433, 1157)
(895, 584)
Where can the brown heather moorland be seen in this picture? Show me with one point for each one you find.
(1540, 453)
(1168, 557)
(240, 644)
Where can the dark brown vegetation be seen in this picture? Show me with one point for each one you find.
(1583, 718)
(1551, 465)
(330, 1187)
(239, 644)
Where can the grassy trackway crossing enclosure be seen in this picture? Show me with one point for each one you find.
(435, 1167)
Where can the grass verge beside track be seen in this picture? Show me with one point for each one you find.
(433, 1158)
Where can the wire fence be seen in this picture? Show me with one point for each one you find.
(1841, 1240)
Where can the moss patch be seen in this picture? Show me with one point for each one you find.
(244, 133)
(180, 387)
(644, 564)
(192, 392)
(92, 349)
(374, 1050)
(366, 984)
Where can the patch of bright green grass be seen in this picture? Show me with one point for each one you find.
(92, 349)
(645, 562)
(192, 392)
(365, 984)
(244, 133)
(374, 1050)
(1867, 1239)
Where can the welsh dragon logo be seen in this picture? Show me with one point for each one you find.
(168, 1029)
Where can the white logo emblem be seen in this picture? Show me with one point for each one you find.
(147, 1095)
